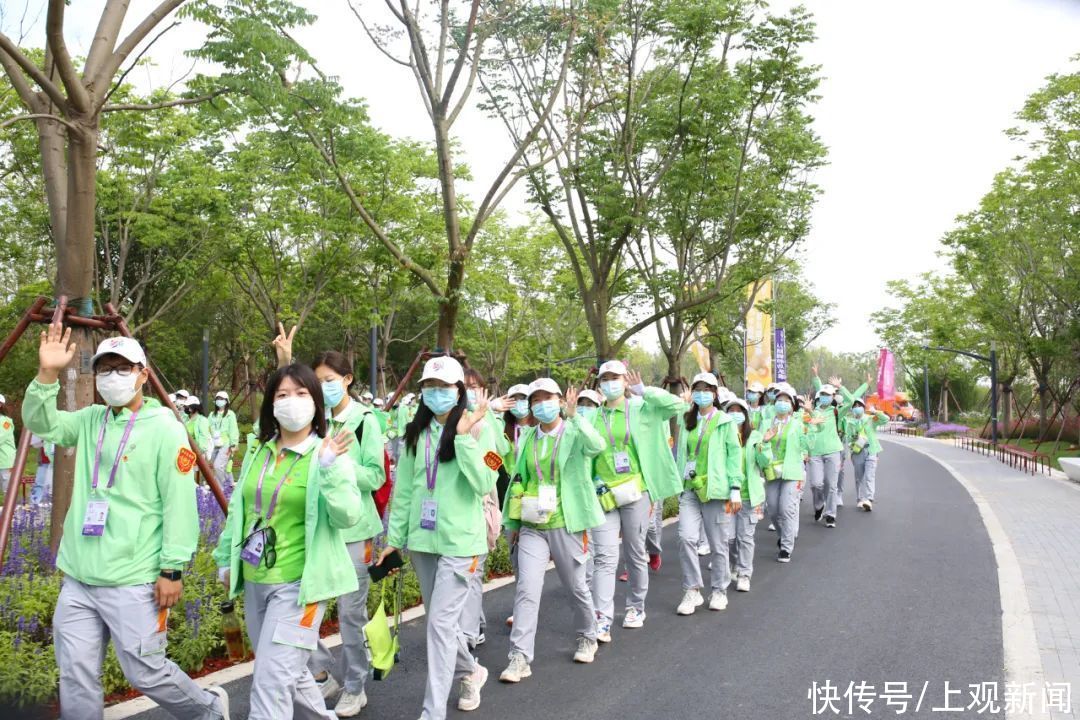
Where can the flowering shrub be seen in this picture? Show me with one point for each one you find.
(938, 429)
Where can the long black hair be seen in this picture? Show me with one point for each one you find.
(303, 376)
(690, 418)
(423, 418)
(223, 410)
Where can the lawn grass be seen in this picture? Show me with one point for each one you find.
(1064, 449)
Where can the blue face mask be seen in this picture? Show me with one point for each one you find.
(470, 399)
(440, 400)
(332, 392)
(771, 394)
(586, 411)
(738, 417)
(520, 409)
(783, 407)
(546, 411)
(752, 397)
(703, 398)
(857, 411)
(824, 401)
(612, 389)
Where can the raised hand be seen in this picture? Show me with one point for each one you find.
(633, 381)
(813, 369)
(468, 419)
(502, 404)
(571, 401)
(687, 396)
(339, 444)
(836, 381)
(54, 353)
(283, 345)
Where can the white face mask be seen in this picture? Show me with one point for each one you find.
(294, 413)
(219, 403)
(115, 390)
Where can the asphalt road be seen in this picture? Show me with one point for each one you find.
(906, 594)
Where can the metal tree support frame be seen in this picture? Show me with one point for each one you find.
(114, 322)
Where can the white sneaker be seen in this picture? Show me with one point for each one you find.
(691, 601)
(603, 632)
(718, 601)
(704, 550)
(517, 670)
(772, 527)
(633, 618)
(742, 584)
(470, 689)
(223, 697)
(349, 705)
(328, 687)
(586, 650)
(510, 621)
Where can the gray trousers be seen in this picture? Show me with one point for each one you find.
(632, 521)
(219, 459)
(694, 515)
(352, 617)
(535, 549)
(282, 687)
(86, 617)
(473, 620)
(865, 474)
(745, 525)
(782, 499)
(844, 455)
(655, 535)
(444, 587)
(824, 469)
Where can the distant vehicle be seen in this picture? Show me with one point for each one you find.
(898, 408)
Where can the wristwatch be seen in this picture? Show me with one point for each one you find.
(173, 575)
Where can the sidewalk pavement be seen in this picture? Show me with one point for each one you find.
(1040, 518)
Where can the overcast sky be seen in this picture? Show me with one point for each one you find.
(914, 102)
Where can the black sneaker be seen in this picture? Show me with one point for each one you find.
(783, 556)
(817, 513)
(830, 521)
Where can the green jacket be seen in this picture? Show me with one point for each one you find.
(198, 425)
(724, 453)
(225, 425)
(796, 448)
(649, 431)
(868, 425)
(153, 522)
(7, 442)
(577, 493)
(333, 504)
(753, 487)
(460, 528)
(370, 475)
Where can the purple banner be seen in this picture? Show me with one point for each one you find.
(781, 355)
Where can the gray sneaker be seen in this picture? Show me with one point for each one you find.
(586, 650)
(470, 689)
(223, 698)
(517, 670)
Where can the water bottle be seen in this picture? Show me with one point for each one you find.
(234, 635)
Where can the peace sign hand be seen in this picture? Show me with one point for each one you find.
(468, 419)
(571, 401)
(283, 345)
(54, 353)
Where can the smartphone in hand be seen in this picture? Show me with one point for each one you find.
(392, 562)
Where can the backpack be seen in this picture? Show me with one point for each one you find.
(382, 495)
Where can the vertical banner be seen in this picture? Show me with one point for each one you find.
(781, 356)
(886, 375)
(758, 360)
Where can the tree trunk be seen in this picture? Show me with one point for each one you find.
(1006, 393)
(596, 314)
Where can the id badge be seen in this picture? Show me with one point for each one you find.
(691, 469)
(622, 462)
(547, 500)
(429, 514)
(94, 522)
(253, 548)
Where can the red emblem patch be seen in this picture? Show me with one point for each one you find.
(7, 425)
(185, 460)
(493, 460)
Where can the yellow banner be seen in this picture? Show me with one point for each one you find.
(759, 336)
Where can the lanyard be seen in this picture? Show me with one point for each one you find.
(119, 449)
(517, 436)
(431, 473)
(554, 454)
(701, 432)
(277, 489)
(607, 425)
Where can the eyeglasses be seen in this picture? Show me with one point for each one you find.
(120, 370)
(269, 548)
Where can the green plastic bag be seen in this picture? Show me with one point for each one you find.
(380, 637)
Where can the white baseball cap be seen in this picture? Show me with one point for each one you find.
(408, 398)
(545, 384)
(521, 389)
(125, 347)
(756, 387)
(181, 393)
(379, 402)
(192, 400)
(707, 378)
(773, 386)
(741, 403)
(366, 395)
(222, 394)
(2, 400)
(785, 389)
(590, 395)
(854, 402)
(724, 396)
(446, 369)
(616, 367)
(827, 389)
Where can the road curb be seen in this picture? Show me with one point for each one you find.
(1023, 664)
